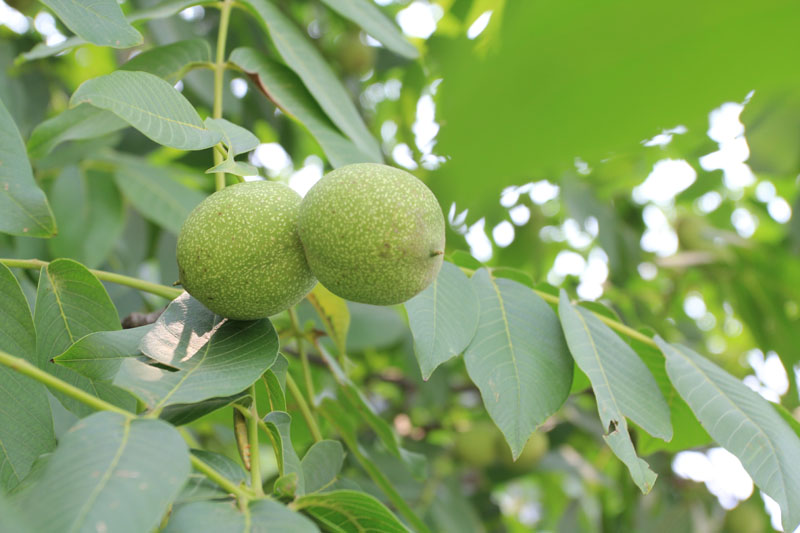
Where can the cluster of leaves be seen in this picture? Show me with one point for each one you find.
(120, 162)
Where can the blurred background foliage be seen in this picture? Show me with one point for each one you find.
(645, 155)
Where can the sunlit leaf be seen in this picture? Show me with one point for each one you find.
(334, 314)
(622, 384)
(302, 56)
(149, 104)
(744, 423)
(286, 90)
(98, 21)
(222, 358)
(443, 318)
(518, 358)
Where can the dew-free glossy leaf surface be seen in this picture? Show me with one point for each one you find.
(286, 90)
(348, 511)
(622, 384)
(302, 57)
(213, 357)
(744, 423)
(443, 318)
(23, 206)
(109, 473)
(518, 358)
(26, 424)
(82, 122)
(262, 516)
(98, 21)
(170, 61)
(275, 381)
(99, 355)
(149, 104)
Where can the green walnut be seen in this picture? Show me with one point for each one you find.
(372, 233)
(239, 252)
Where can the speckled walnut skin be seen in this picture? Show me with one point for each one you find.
(239, 252)
(372, 233)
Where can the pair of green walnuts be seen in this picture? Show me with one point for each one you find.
(369, 233)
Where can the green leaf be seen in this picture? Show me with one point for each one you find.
(183, 413)
(81, 122)
(149, 104)
(687, 431)
(26, 424)
(321, 464)
(162, 10)
(99, 355)
(597, 79)
(744, 423)
(279, 424)
(287, 92)
(98, 21)
(200, 488)
(43, 50)
(262, 516)
(518, 358)
(275, 381)
(88, 209)
(171, 61)
(10, 519)
(105, 476)
(70, 304)
(373, 21)
(222, 358)
(333, 312)
(346, 511)
(302, 57)
(237, 139)
(622, 384)
(23, 206)
(443, 318)
(155, 193)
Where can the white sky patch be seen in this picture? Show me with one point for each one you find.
(388, 130)
(479, 244)
(45, 24)
(709, 202)
(744, 222)
(668, 178)
(403, 156)
(727, 130)
(543, 191)
(13, 19)
(305, 178)
(520, 214)
(509, 196)
(576, 237)
(425, 127)
(780, 210)
(179, 86)
(765, 191)
(238, 87)
(659, 237)
(503, 234)
(665, 137)
(769, 371)
(720, 470)
(594, 275)
(569, 263)
(647, 270)
(272, 157)
(192, 13)
(694, 306)
(457, 220)
(419, 19)
(477, 27)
